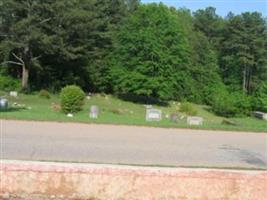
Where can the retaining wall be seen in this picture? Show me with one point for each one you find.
(32, 180)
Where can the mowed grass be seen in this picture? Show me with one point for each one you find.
(117, 111)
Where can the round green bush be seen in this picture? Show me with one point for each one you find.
(44, 94)
(71, 99)
(231, 105)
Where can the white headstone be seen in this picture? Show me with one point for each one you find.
(153, 114)
(195, 121)
(69, 115)
(13, 94)
(3, 103)
(94, 112)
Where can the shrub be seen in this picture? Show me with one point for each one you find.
(8, 83)
(260, 99)
(230, 105)
(188, 108)
(44, 94)
(71, 99)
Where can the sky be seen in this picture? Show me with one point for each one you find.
(223, 7)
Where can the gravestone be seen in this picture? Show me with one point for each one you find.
(260, 115)
(13, 94)
(153, 114)
(195, 121)
(94, 112)
(174, 117)
(3, 104)
(70, 115)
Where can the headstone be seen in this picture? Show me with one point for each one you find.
(94, 112)
(174, 117)
(3, 104)
(195, 121)
(13, 94)
(153, 114)
(260, 115)
(69, 115)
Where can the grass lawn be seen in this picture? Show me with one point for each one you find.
(116, 111)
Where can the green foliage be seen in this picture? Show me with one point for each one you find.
(188, 108)
(44, 94)
(243, 58)
(210, 24)
(8, 83)
(144, 50)
(260, 99)
(230, 105)
(72, 99)
(151, 55)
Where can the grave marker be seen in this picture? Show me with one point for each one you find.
(94, 112)
(153, 114)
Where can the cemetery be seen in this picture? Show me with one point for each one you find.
(108, 109)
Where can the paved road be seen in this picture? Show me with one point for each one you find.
(132, 145)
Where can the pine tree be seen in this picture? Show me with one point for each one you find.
(244, 52)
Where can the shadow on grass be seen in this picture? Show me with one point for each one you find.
(142, 99)
(11, 109)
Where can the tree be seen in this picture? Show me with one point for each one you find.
(210, 24)
(109, 15)
(244, 54)
(151, 57)
(260, 98)
(20, 33)
(204, 68)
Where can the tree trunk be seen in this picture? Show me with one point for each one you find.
(244, 80)
(25, 77)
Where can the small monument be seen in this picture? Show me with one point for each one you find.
(195, 121)
(174, 117)
(70, 115)
(3, 104)
(153, 114)
(94, 112)
(13, 94)
(260, 115)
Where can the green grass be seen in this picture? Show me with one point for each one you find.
(116, 111)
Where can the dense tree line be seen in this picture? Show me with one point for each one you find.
(125, 47)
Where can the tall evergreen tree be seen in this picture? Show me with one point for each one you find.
(244, 52)
(210, 24)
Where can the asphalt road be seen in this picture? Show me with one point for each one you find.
(70, 142)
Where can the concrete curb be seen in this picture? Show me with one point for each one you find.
(84, 181)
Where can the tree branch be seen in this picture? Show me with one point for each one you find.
(45, 20)
(18, 58)
(36, 58)
(12, 62)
